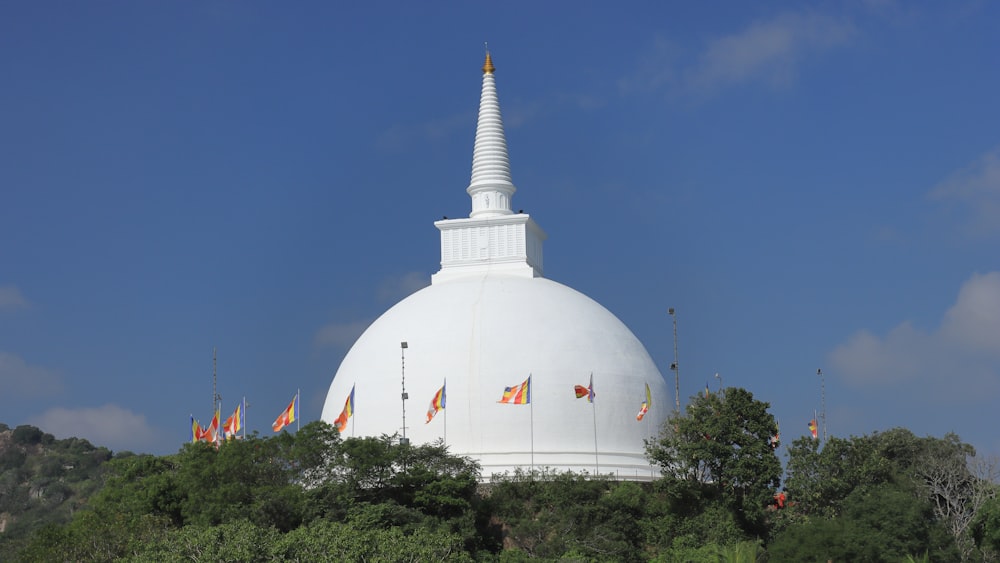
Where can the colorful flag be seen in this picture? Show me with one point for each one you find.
(234, 423)
(645, 404)
(348, 412)
(518, 394)
(201, 433)
(437, 403)
(288, 415)
(211, 433)
(196, 430)
(587, 391)
(707, 392)
(813, 429)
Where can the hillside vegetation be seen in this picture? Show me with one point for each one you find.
(313, 496)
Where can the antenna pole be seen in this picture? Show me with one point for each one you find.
(402, 370)
(216, 398)
(674, 366)
(822, 390)
(215, 393)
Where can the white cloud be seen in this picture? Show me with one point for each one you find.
(19, 380)
(978, 186)
(110, 426)
(394, 289)
(344, 334)
(341, 335)
(973, 323)
(11, 298)
(767, 50)
(402, 137)
(962, 354)
(656, 69)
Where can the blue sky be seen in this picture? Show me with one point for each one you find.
(809, 185)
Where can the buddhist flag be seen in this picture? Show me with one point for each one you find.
(348, 412)
(587, 392)
(201, 433)
(196, 430)
(813, 429)
(437, 403)
(645, 404)
(234, 423)
(287, 416)
(212, 432)
(518, 394)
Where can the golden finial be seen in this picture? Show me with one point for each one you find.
(488, 67)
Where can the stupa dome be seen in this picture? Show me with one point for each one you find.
(489, 322)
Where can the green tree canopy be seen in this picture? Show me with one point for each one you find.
(723, 442)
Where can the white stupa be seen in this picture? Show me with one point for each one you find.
(488, 321)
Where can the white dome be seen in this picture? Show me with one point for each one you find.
(489, 331)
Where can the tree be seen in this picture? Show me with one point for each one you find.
(958, 484)
(557, 515)
(941, 471)
(884, 522)
(986, 527)
(723, 443)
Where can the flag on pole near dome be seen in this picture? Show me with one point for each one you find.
(437, 403)
(645, 404)
(213, 428)
(196, 430)
(518, 394)
(348, 412)
(234, 423)
(288, 415)
(587, 391)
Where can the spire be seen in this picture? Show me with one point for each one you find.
(491, 188)
(493, 240)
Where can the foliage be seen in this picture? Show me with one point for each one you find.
(332, 541)
(236, 501)
(943, 472)
(879, 523)
(43, 481)
(986, 526)
(551, 515)
(958, 485)
(723, 444)
(313, 496)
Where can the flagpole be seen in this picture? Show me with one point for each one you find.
(593, 409)
(822, 387)
(444, 392)
(675, 367)
(298, 408)
(531, 404)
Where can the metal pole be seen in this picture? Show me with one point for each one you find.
(822, 388)
(216, 400)
(593, 410)
(674, 366)
(402, 367)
